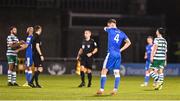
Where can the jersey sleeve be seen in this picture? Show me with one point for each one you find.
(107, 29)
(37, 40)
(155, 41)
(95, 44)
(125, 36)
(28, 40)
(9, 40)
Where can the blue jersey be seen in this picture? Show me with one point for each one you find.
(29, 48)
(115, 39)
(148, 51)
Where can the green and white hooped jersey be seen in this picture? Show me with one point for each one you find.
(162, 48)
(10, 40)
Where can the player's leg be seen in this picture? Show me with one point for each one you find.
(116, 75)
(29, 65)
(31, 83)
(152, 69)
(28, 71)
(10, 68)
(102, 81)
(147, 74)
(29, 74)
(161, 75)
(82, 74)
(108, 63)
(39, 70)
(89, 70)
(37, 73)
(116, 81)
(15, 58)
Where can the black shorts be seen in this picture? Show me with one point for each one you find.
(86, 62)
(37, 60)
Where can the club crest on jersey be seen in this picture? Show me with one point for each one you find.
(88, 46)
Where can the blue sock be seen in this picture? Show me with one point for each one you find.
(29, 76)
(116, 82)
(103, 81)
(146, 79)
(26, 75)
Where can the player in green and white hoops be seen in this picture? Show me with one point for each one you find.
(158, 58)
(12, 56)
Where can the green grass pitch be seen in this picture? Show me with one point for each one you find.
(65, 88)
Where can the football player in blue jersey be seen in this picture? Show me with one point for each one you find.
(147, 57)
(113, 59)
(28, 58)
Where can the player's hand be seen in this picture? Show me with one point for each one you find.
(89, 54)
(42, 58)
(151, 59)
(21, 42)
(16, 51)
(77, 58)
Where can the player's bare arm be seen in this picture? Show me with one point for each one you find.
(39, 51)
(154, 49)
(93, 52)
(23, 46)
(145, 55)
(126, 45)
(79, 53)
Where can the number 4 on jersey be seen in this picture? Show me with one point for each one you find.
(116, 38)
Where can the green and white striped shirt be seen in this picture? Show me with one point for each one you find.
(161, 49)
(10, 40)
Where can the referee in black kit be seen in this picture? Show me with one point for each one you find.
(85, 55)
(37, 56)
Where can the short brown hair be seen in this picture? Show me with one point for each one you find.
(37, 27)
(112, 21)
(11, 28)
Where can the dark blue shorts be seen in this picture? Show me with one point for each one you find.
(29, 61)
(147, 65)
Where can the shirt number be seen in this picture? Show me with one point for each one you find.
(116, 38)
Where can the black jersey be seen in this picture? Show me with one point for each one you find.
(88, 46)
(36, 39)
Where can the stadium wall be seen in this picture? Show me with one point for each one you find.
(63, 66)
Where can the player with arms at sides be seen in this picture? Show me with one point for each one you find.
(85, 55)
(113, 59)
(38, 57)
(28, 57)
(13, 43)
(147, 57)
(158, 58)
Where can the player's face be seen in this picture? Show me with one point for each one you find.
(157, 32)
(40, 30)
(30, 30)
(111, 24)
(149, 40)
(14, 31)
(87, 34)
